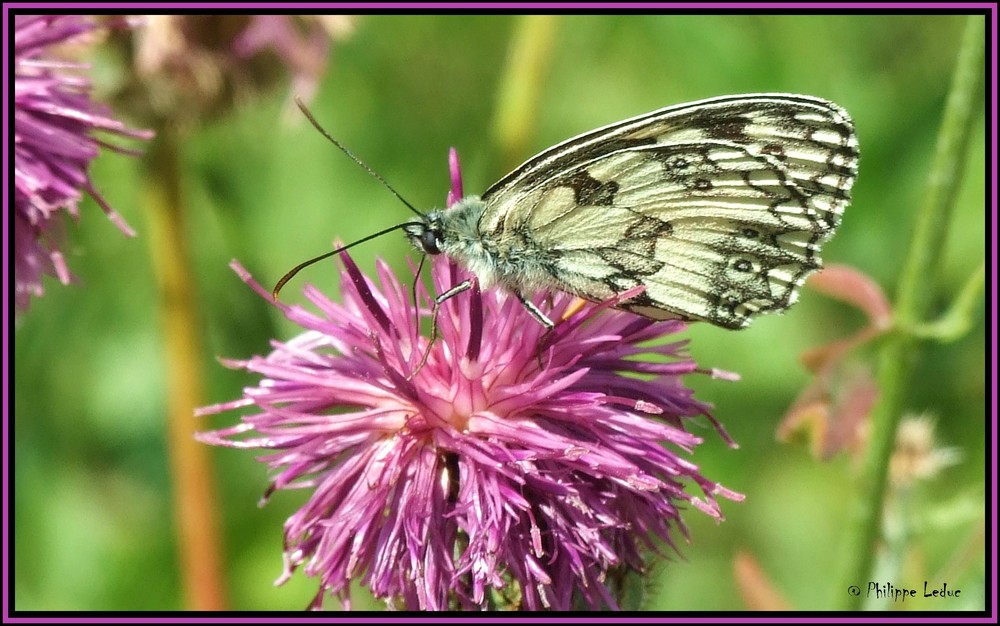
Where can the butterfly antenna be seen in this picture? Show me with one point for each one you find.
(295, 270)
(305, 110)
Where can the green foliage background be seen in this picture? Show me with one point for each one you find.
(92, 516)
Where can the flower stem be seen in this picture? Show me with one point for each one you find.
(958, 319)
(520, 85)
(194, 498)
(917, 282)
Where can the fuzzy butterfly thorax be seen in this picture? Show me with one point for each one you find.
(509, 261)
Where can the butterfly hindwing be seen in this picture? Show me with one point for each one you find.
(719, 207)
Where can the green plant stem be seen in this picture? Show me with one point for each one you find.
(194, 499)
(958, 319)
(917, 281)
(520, 85)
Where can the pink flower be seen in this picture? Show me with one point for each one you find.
(487, 469)
(514, 470)
(54, 143)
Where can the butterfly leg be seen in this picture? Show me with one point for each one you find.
(542, 319)
(413, 293)
(438, 301)
(536, 313)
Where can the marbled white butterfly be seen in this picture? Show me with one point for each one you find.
(718, 207)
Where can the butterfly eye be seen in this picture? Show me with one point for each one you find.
(429, 242)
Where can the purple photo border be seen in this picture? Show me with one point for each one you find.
(828, 618)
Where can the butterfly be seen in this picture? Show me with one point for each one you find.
(718, 208)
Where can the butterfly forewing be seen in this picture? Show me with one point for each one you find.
(718, 207)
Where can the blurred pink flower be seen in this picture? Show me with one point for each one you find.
(194, 66)
(54, 144)
(832, 412)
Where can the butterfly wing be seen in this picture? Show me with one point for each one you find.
(718, 207)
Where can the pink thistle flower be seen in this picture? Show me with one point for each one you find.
(498, 475)
(193, 66)
(303, 46)
(54, 122)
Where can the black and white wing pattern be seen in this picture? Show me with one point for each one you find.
(719, 207)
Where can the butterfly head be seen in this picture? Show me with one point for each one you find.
(426, 234)
(453, 231)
